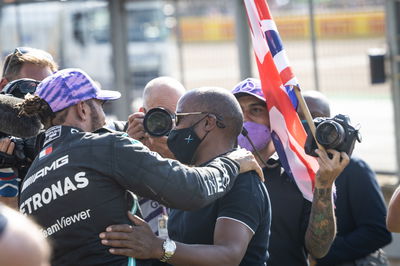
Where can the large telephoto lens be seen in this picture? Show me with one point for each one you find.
(158, 122)
(330, 134)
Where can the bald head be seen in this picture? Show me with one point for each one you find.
(162, 92)
(216, 101)
(21, 243)
(317, 103)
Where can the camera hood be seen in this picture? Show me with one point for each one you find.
(158, 122)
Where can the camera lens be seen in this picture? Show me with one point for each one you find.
(330, 134)
(158, 122)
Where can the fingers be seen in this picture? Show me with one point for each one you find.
(120, 228)
(11, 147)
(260, 173)
(114, 235)
(135, 126)
(5, 144)
(121, 251)
(340, 158)
(136, 219)
(345, 159)
(116, 243)
(135, 116)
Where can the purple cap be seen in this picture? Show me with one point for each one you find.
(69, 86)
(249, 86)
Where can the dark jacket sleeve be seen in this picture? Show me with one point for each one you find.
(363, 209)
(169, 182)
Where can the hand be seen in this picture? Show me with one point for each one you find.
(133, 241)
(329, 169)
(246, 161)
(7, 146)
(135, 126)
(159, 144)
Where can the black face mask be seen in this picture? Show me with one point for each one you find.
(184, 142)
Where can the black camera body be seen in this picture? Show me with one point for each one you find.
(24, 153)
(335, 133)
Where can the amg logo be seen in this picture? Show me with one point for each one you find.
(42, 172)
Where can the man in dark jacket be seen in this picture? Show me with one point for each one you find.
(299, 227)
(360, 207)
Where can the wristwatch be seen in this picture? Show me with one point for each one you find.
(169, 247)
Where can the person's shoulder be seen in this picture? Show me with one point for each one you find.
(357, 161)
(357, 165)
(357, 172)
(107, 135)
(248, 177)
(250, 184)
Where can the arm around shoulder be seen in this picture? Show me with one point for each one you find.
(169, 182)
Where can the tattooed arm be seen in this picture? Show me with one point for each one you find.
(321, 228)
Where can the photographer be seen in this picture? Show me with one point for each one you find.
(24, 62)
(27, 62)
(159, 92)
(16, 153)
(298, 226)
(360, 220)
(77, 184)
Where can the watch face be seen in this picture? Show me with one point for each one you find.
(169, 246)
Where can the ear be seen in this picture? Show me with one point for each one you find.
(210, 123)
(3, 83)
(82, 111)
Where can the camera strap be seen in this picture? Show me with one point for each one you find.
(246, 134)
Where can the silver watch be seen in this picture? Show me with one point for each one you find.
(169, 247)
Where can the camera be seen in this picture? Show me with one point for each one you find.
(333, 133)
(158, 122)
(24, 153)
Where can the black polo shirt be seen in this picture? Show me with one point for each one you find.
(247, 203)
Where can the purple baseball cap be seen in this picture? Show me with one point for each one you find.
(69, 86)
(249, 86)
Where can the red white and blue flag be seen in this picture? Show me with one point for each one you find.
(278, 81)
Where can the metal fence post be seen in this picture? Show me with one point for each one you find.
(313, 43)
(393, 40)
(242, 40)
(120, 59)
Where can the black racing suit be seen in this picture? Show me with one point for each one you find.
(77, 185)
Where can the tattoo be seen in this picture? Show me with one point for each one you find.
(322, 225)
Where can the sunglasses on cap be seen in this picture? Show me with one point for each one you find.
(21, 51)
(20, 87)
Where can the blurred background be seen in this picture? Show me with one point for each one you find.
(332, 46)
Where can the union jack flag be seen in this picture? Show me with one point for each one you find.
(278, 84)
